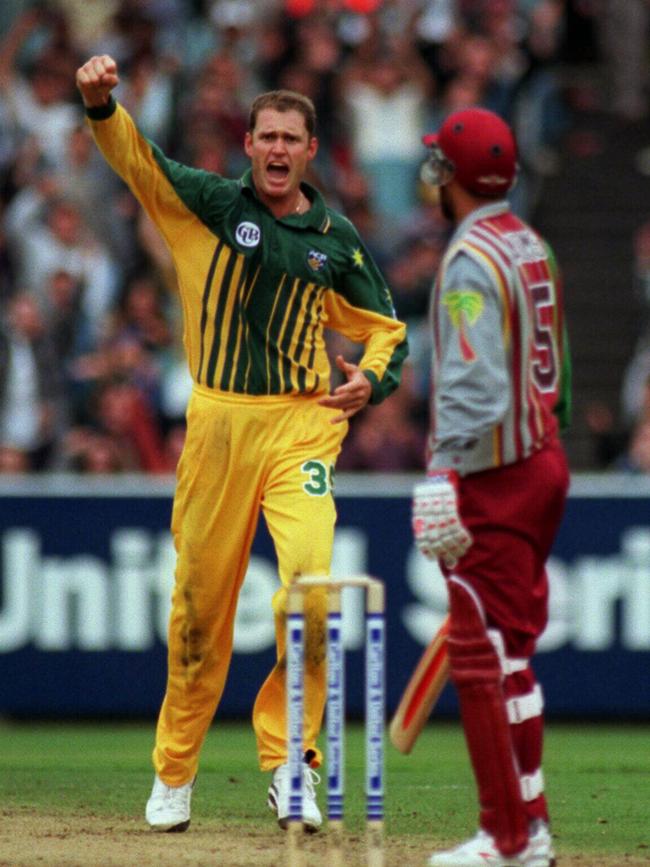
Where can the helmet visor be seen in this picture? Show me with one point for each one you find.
(437, 170)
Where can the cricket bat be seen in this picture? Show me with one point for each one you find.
(427, 682)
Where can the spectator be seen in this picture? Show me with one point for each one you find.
(85, 180)
(49, 233)
(125, 431)
(87, 22)
(174, 442)
(623, 33)
(32, 411)
(636, 458)
(69, 328)
(383, 440)
(410, 275)
(142, 314)
(273, 50)
(147, 91)
(436, 29)
(608, 439)
(88, 451)
(13, 461)
(384, 97)
(638, 368)
(39, 102)
(214, 109)
(540, 114)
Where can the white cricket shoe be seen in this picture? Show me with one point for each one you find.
(278, 798)
(168, 807)
(481, 851)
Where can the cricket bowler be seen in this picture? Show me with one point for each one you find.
(263, 267)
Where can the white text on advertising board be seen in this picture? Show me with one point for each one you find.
(83, 602)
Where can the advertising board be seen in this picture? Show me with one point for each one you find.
(86, 571)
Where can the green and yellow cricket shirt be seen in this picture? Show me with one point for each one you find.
(257, 292)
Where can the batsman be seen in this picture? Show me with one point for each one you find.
(263, 266)
(497, 476)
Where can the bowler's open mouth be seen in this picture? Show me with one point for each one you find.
(277, 170)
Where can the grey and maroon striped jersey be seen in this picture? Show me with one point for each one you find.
(500, 368)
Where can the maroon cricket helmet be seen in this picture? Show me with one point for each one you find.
(477, 148)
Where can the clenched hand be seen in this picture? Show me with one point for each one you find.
(95, 80)
(352, 395)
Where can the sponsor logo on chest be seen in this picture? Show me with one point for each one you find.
(248, 234)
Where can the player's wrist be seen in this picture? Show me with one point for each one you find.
(101, 111)
(439, 474)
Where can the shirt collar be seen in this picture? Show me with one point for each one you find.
(315, 218)
(491, 209)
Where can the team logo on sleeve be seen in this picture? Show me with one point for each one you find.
(526, 247)
(357, 258)
(248, 234)
(316, 260)
(464, 308)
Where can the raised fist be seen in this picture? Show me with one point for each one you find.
(96, 79)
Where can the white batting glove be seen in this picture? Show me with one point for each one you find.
(437, 528)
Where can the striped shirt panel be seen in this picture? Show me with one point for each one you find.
(245, 354)
(518, 437)
(535, 292)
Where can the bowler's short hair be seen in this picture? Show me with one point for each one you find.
(284, 100)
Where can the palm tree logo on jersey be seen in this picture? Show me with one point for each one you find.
(464, 308)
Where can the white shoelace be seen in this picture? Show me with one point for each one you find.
(176, 794)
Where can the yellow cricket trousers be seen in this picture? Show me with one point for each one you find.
(241, 454)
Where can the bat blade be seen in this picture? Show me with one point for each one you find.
(421, 693)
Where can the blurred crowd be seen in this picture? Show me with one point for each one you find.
(623, 443)
(92, 375)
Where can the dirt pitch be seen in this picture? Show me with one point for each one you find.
(55, 841)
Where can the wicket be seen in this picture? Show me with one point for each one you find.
(335, 733)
